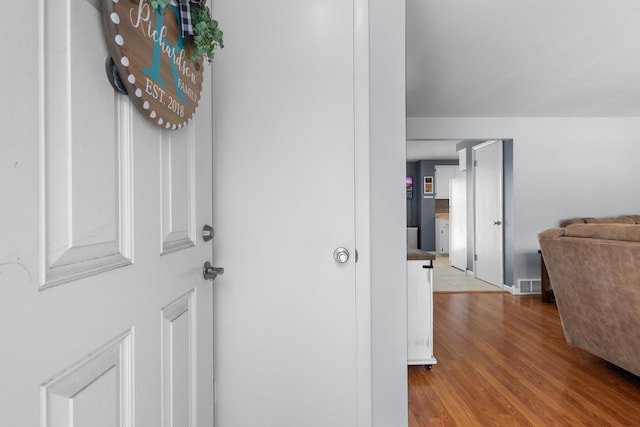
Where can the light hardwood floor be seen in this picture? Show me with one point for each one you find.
(450, 279)
(503, 361)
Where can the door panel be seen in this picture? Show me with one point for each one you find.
(85, 231)
(488, 211)
(285, 310)
(178, 190)
(179, 362)
(96, 390)
(100, 264)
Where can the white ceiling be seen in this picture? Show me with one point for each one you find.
(523, 58)
(420, 149)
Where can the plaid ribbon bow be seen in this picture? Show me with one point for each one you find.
(185, 16)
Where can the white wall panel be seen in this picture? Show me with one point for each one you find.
(179, 371)
(178, 189)
(85, 150)
(97, 391)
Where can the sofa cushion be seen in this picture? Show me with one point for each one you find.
(611, 220)
(623, 219)
(623, 232)
(567, 222)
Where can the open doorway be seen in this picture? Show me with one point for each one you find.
(428, 162)
(423, 155)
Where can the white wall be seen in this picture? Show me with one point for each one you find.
(563, 168)
(388, 216)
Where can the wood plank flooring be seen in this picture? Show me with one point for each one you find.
(503, 361)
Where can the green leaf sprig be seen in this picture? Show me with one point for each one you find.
(207, 35)
(155, 4)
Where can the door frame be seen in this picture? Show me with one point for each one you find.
(458, 222)
(362, 193)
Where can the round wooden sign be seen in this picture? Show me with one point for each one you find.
(153, 60)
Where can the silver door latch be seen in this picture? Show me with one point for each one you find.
(207, 233)
(210, 272)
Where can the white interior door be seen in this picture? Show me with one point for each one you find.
(458, 222)
(285, 325)
(488, 212)
(106, 316)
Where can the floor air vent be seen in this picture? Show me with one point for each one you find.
(529, 286)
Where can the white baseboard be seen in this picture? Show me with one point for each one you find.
(510, 289)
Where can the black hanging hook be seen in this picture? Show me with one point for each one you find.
(114, 77)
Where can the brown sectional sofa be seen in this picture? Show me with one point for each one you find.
(594, 267)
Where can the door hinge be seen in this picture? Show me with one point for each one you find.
(475, 163)
(475, 257)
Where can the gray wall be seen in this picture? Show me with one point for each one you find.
(509, 214)
(424, 209)
(413, 205)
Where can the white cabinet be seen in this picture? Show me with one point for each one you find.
(420, 313)
(443, 173)
(442, 236)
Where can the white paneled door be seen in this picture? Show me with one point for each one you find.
(488, 212)
(106, 318)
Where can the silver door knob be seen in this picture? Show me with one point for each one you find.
(341, 255)
(210, 272)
